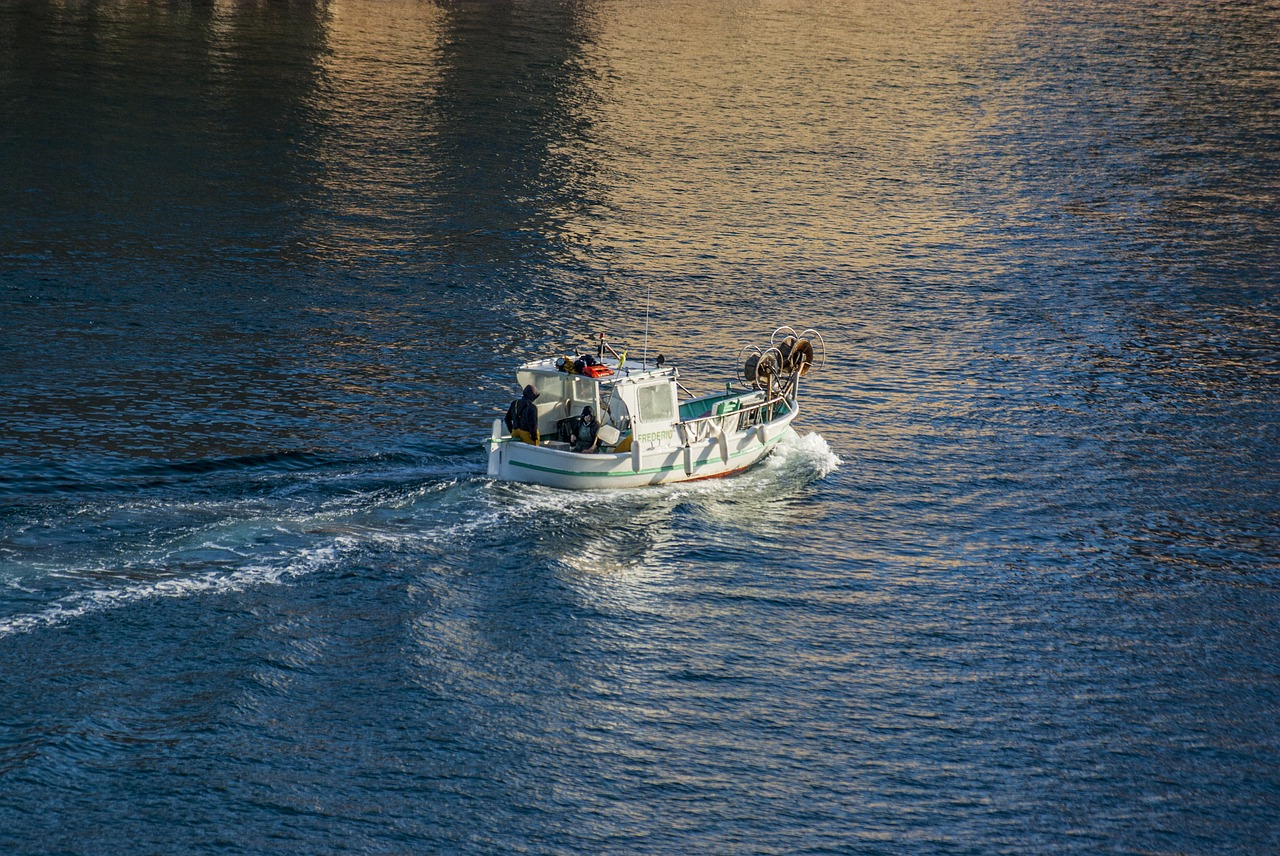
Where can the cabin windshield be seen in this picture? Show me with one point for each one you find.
(560, 395)
(559, 385)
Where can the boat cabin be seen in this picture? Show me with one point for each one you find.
(637, 400)
(635, 403)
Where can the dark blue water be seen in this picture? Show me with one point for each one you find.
(265, 269)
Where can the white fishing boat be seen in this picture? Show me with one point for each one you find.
(651, 430)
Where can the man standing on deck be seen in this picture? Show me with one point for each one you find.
(522, 417)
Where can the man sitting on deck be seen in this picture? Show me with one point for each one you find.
(522, 417)
(585, 436)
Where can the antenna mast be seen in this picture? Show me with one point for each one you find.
(644, 359)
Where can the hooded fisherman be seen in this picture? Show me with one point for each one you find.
(584, 439)
(522, 416)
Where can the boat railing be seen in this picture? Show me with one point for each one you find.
(706, 427)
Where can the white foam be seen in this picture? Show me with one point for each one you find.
(808, 456)
(78, 604)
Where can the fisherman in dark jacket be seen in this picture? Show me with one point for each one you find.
(522, 417)
(585, 437)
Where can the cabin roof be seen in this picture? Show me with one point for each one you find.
(630, 371)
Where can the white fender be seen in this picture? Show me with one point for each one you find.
(688, 460)
(495, 449)
(635, 454)
(762, 434)
(723, 440)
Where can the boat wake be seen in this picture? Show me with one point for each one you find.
(81, 603)
(119, 553)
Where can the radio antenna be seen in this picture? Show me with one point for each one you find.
(644, 358)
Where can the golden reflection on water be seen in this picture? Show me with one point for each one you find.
(806, 137)
(381, 64)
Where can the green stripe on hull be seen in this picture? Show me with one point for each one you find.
(624, 473)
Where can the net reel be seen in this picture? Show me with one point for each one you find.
(759, 369)
(789, 355)
(801, 352)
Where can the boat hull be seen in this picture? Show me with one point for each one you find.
(512, 460)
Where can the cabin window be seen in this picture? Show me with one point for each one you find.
(550, 387)
(584, 389)
(655, 403)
